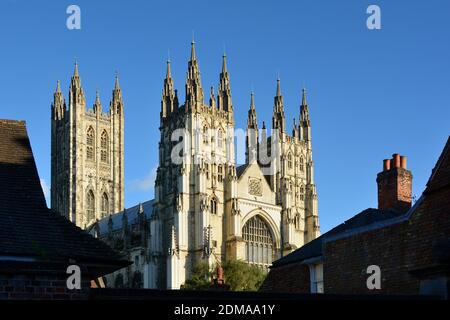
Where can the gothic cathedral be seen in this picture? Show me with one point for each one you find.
(86, 155)
(208, 209)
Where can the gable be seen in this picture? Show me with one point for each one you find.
(252, 184)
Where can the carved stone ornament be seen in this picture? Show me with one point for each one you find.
(255, 186)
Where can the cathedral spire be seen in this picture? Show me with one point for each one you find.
(278, 120)
(58, 105)
(76, 93)
(97, 103)
(251, 122)
(193, 57)
(194, 90)
(278, 88)
(304, 103)
(224, 92)
(295, 130)
(304, 113)
(75, 71)
(116, 105)
(212, 99)
(116, 83)
(224, 63)
(169, 71)
(305, 124)
(76, 81)
(251, 151)
(169, 102)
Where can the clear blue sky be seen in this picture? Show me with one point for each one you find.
(371, 93)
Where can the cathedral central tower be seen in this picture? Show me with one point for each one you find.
(207, 209)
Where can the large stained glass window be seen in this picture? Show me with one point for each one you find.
(259, 243)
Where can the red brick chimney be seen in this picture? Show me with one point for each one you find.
(395, 184)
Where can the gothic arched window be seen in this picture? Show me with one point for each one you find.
(105, 205)
(302, 165)
(302, 192)
(289, 159)
(220, 173)
(207, 171)
(104, 147)
(259, 243)
(205, 135)
(90, 206)
(213, 206)
(90, 144)
(220, 139)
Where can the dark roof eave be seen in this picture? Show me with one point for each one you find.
(306, 260)
(79, 260)
(88, 269)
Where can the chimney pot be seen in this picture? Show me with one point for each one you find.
(386, 164)
(396, 158)
(403, 161)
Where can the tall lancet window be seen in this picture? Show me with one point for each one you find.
(220, 139)
(220, 173)
(90, 206)
(105, 205)
(302, 164)
(205, 135)
(104, 146)
(259, 243)
(213, 206)
(90, 144)
(289, 161)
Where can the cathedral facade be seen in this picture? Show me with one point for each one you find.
(86, 155)
(208, 208)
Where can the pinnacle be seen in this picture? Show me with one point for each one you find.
(304, 103)
(193, 57)
(278, 88)
(116, 84)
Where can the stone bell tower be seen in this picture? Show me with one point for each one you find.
(87, 172)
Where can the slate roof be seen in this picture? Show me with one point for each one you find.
(132, 215)
(241, 169)
(27, 227)
(314, 248)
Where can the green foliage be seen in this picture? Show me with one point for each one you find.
(238, 274)
(241, 276)
(201, 279)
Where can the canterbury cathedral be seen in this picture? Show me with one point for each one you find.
(206, 207)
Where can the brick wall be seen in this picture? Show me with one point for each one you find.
(346, 262)
(36, 286)
(289, 278)
(395, 249)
